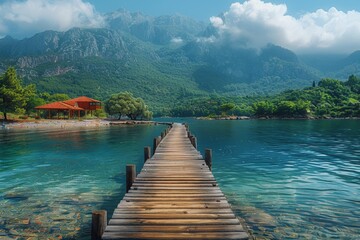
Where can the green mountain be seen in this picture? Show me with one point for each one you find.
(163, 60)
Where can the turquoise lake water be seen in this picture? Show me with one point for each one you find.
(287, 179)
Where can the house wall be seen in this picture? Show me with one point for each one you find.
(89, 106)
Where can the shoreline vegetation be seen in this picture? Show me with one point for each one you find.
(328, 99)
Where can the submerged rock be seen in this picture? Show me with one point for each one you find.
(16, 197)
(257, 216)
(55, 230)
(25, 221)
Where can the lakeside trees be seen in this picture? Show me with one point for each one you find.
(331, 98)
(13, 96)
(125, 104)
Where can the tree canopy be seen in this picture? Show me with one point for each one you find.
(125, 104)
(13, 96)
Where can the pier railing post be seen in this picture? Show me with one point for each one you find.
(193, 141)
(98, 224)
(147, 153)
(130, 176)
(157, 141)
(208, 158)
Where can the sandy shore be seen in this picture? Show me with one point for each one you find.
(44, 124)
(57, 124)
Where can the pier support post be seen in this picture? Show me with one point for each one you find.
(157, 141)
(193, 141)
(98, 224)
(208, 158)
(147, 153)
(130, 176)
(163, 134)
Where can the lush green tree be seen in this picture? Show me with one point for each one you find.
(125, 104)
(13, 96)
(33, 102)
(58, 97)
(338, 91)
(244, 110)
(226, 108)
(285, 109)
(354, 84)
(302, 108)
(263, 108)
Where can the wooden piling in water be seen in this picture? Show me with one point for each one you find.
(147, 153)
(157, 141)
(130, 176)
(98, 225)
(208, 158)
(193, 141)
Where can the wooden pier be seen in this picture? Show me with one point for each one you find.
(175, 196)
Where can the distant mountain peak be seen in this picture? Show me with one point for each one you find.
(158, 30)
(272, 50)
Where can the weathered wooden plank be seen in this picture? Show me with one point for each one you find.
(174, 185)
(173, 205)
(179, 199)
(173, 195)
(163, 182)
(201, 221)
(182, 190)
(176, 229)
(145, 210)
(172, 216)
(175, 236)
(177, 179)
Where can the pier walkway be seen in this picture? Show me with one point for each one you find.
(175, 196)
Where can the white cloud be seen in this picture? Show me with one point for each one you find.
(210, 39)
(255, 23)
(177, 40)
(22, 18)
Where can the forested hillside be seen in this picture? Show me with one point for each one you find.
(329, 98)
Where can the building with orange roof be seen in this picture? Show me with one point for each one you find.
(86, 103)
(72, 106)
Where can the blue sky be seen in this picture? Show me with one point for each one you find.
(299, 25)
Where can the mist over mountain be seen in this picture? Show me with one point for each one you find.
(158, 30)
(162, 59)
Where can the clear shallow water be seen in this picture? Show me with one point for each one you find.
(287, 179)
(51, 181)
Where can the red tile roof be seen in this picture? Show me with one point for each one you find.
(80, 99)
(58, 106)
